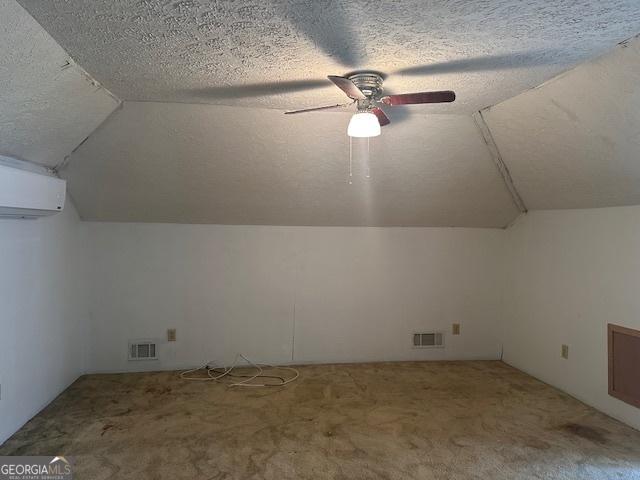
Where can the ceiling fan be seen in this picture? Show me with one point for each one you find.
(365, 90)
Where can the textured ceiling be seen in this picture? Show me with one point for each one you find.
(571, 143)
(222, 52)
(48, 105)
(575, 141)
(159, 162)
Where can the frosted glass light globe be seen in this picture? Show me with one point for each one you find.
(364, 124)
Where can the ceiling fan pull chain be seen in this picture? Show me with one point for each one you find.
(368, 160)
(350, 161)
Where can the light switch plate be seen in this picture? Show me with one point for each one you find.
(171, 335)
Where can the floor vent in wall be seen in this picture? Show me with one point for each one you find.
(142, 350)
(428, 340)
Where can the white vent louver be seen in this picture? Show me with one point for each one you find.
(428, 340)
(142, 351)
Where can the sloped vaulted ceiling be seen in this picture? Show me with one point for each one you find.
(168, 162)
(574, 142)
(201, 137)
(48, 104)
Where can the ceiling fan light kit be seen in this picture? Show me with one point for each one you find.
(365, 90)
(363, 125)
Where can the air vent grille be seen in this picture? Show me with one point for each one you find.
(142, 351)
(428, 340)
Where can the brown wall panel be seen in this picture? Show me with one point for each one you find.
(624, 364)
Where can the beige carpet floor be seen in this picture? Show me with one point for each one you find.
(409, 420)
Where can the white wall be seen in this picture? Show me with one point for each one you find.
(313, 294)
(345, 294)
(43, 315)
(569, 274)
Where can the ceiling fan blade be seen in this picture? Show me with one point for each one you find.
(348, 87)
(335, 35)
(313, 109)
(421, 97)
(382, 118)
(487, 63)
(253, 90)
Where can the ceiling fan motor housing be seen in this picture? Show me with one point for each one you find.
(370, 84)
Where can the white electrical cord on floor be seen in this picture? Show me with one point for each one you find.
(206, 367)
(214, 374)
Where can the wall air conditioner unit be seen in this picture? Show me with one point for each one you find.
(25, 194)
